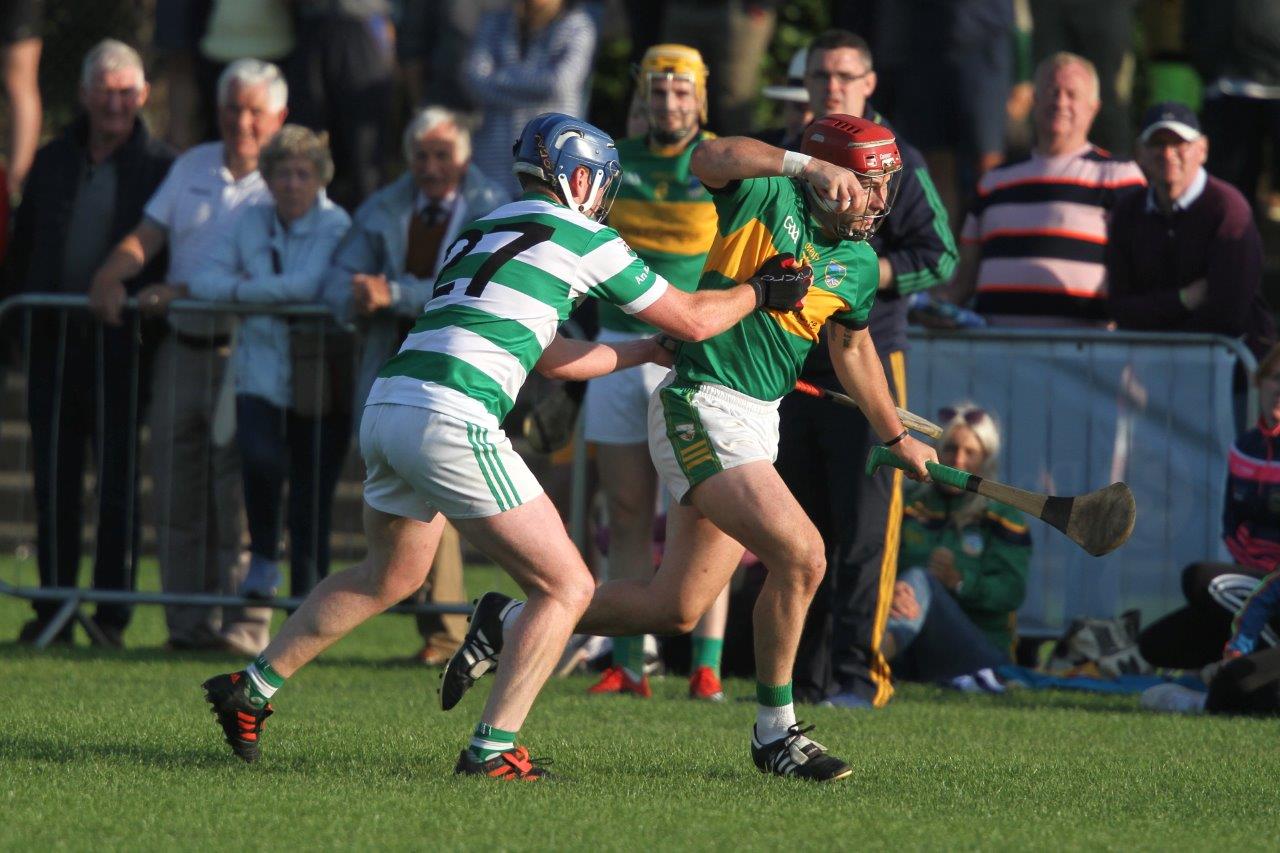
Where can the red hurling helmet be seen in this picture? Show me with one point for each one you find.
(868, 150)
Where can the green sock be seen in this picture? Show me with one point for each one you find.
(628, 653)
(773, 695)
(486, 742)
(263, 681)
(707, 651)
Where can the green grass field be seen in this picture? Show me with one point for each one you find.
(116, 750)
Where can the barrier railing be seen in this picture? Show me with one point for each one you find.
(62, 319)
(1081, 409)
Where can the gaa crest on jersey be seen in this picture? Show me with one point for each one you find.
(835, 274)
(972, 544)
(686, 432)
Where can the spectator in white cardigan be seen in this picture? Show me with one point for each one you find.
(279, 253)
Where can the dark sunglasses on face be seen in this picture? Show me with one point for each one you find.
(972, 416)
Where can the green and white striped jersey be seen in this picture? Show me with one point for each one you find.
(509, 280)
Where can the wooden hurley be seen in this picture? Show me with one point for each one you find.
(909, 420)
(1099, 522)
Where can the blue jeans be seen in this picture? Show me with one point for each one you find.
(941, 642)
(277, 444)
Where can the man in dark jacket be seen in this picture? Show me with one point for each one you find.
(85, 191)
(823, 447)
(1185, 256)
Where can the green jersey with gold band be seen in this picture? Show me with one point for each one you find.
(665, 214)
(762, 355)
(508, 282)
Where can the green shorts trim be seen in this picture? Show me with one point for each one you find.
(490, 463)
(693, 449)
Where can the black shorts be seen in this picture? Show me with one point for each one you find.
(20, 20)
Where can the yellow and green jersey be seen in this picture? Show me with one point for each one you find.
(665, 214)
(762, 355)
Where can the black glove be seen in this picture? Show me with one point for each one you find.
(780, 283)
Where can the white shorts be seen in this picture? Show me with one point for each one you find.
(615, 409)
(698, 429)
(419, 462)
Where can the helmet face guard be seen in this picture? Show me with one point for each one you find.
(604, 179)
(870, 152)
(672, 62)
(850, 224)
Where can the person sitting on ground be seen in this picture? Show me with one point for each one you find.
(962, 567)
(1193, 636)
(279, 252)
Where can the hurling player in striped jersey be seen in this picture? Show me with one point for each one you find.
(434, 448)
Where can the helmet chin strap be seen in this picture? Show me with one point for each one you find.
(567, 193)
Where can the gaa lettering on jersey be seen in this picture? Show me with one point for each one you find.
(762, 355)
(643, 275)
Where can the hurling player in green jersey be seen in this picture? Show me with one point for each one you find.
(713, 425)
(669, 219)
(434, 448)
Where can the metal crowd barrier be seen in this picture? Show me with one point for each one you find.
(1079, 409)
(62, 308)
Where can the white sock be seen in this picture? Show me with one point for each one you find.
(772, 722)
(510, 618)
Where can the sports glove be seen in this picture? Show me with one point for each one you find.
(780, 283)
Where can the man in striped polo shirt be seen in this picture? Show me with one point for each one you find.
(1034, 243)
(433, 445)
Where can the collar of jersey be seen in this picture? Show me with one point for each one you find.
(534, 195)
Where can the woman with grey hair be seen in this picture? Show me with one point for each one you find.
(279, 253)
(962, 567)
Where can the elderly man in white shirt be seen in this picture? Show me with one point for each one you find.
(195, 473)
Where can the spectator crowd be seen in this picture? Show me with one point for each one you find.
(332, 152)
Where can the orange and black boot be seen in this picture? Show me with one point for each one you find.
(514, 765)
(240, 718)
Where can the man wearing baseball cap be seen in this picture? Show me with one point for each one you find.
(1185, 255)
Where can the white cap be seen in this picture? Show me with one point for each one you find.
(794, 90)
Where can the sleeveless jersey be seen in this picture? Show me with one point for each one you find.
(509, 280)
(762, 355)
(665, 214)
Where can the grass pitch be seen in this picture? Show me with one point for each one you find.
(116, 750)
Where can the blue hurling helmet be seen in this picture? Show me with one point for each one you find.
(553, 145)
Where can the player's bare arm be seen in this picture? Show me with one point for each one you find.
(573, 360)
(717, 162)
(853, 354)
(779, 284)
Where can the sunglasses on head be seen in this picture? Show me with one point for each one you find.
(972, 415)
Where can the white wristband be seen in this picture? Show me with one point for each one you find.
(793, 163)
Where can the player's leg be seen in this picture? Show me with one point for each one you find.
(615, 422)
(630, 486)
(707, 651)
(400, 554)
(531, 544)
(753, 505)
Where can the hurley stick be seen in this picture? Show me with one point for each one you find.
(909, 420)
(1098, 522)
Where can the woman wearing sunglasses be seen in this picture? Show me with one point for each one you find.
(962, 567)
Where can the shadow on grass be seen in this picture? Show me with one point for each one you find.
(48, 751)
